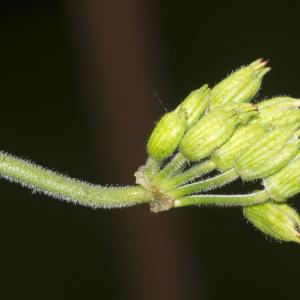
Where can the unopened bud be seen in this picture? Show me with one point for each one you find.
(241, 86)
(279, 111)
(285, 183)
(268, 155)
(279, 221)
(195, 104)
(167, 135)
(212, 131)
(245, 111)
(242, 138)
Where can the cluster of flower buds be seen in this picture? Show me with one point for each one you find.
(219, 129)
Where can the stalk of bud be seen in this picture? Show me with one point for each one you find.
(279, 221)
(241, 86)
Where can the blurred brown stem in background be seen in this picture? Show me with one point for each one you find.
(118, 51)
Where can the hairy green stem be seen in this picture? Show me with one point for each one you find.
(190, 174)
(65, 188)
(205, 185)
(223, 200)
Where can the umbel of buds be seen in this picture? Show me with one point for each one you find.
(226, 130)
(224, 133)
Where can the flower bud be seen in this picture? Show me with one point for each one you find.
(213, 130)
(279, 111)
(241, 86)
(285, 183)
(195, 104)
(242, 138)
(167, 135)
(279, 221)
(269, 154)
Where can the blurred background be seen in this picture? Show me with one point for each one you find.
(81, 85)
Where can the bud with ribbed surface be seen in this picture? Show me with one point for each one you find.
(268, 155)
(195, 104)
(213, 130)
(279, 221)
(243, 137)
(167, 135)
(241, 86)
(285, 183)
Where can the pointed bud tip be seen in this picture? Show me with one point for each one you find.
(204, 86)
(264, 62)
(260, 67)
(260, 63)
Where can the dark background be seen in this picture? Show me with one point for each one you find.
(79, 89)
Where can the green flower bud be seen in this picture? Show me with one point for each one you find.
(279, 111)
(285, 183)
(167, 135)
(195, 104)
(279, 221)
(241, 86)
(268, 155)
(243, 137)
(213, 130)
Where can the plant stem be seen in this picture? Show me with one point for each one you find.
(204, 185)
(65, 188)
(223, 200)
(171, 169)
(191, 174)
